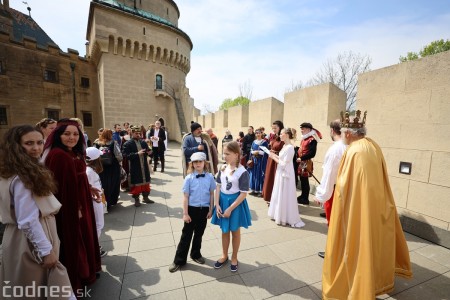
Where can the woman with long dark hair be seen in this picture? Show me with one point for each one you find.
(275, 144)
(80, 251)
(28, 207)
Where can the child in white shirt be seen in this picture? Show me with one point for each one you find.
(94, 167)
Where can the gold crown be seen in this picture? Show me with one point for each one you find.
(345, 120)
(135, 128)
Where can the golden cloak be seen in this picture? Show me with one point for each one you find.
(366, 246)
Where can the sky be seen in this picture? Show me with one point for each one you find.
(269, 45)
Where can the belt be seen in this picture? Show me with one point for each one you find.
(199, 207)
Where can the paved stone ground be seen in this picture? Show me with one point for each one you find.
(274, 261)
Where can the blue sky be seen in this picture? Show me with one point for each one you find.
(270, 44)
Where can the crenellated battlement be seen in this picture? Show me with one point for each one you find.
(30, 43)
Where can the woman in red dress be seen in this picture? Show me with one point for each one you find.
(79, 250)
(275, 145)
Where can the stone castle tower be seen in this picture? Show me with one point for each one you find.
(142, 60)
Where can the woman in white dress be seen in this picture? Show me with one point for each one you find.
(283, 205)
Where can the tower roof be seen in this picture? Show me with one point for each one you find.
(137, 13)
(25, 26)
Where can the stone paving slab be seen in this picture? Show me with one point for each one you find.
(275, 262)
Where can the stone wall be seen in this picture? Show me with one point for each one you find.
(408, 107)
(28, 97)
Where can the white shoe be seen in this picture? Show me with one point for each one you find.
(299, 224)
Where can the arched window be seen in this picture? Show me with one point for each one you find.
(159, 82)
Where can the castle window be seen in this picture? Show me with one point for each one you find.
(87, 119)
(143, 30)
(84, 82)
(53, 114)
(2, 68)
(50, 75)
(167, 11)
(159, 82)
(3, 116)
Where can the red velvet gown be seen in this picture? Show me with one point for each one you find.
(271, 169)
(79, 251)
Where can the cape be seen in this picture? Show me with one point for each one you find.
(366, 246)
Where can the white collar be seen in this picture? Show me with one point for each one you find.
(311, 133)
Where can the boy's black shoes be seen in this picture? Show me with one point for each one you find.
(199, 260)
(174, 267)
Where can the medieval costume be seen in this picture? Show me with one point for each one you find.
(306, 152)
(283, 205)
(30, 235)
(139, 174)
(257, 171)
(79, 251)
(366, 246)
(125, 167)
(324, 192)
(190, 145)
(110, 176)
(275, 146)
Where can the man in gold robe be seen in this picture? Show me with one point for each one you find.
(366, 246)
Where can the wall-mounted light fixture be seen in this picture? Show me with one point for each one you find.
(405, 168)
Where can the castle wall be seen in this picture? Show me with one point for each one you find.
(408, 107)
(131, 93)
(28, 97)
(318, 105)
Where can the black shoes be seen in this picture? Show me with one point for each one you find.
(174, 267)
(323, 215)
(148, 200)
(321, 254)
(219, 264)
(303, 201)
(199, 260)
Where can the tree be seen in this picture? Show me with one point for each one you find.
(430, 49)
(207, 108)
(227, 103)
(246, 90)
(244, 98)
(294, 86)
(343, 72)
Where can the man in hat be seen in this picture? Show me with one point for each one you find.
(136, 151)
(305, 154)
(196, 141)
(366, 246)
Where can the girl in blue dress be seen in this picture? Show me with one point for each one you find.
(259, 159)
(231, 210)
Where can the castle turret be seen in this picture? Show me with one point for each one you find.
(142, 59)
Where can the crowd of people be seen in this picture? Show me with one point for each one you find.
(54, 191)
(360, 263)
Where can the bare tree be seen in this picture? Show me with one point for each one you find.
(343, 72)
(246, 90)
(207, 108)
(294, 86)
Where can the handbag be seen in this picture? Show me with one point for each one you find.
(123, 175)
(107, 157)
